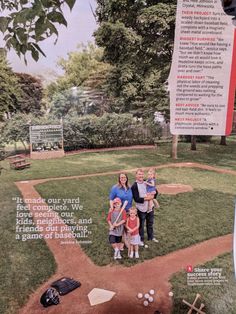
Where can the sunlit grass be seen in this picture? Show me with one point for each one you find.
(25, 265)
(181, 221)
(217, 299)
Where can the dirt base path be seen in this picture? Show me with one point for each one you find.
(126, 282)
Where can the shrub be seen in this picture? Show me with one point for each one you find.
(90, 131)
(109, 130)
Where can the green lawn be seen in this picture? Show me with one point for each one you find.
(217, 299)
(25, 265)
(182, 220)
(213, 154)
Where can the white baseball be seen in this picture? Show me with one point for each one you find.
(145, 303)
(152, 292)
(146, 295)
(150, 299)
(146, 246)
(140, 295)
(171, 294)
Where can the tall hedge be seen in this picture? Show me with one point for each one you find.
(110, 130)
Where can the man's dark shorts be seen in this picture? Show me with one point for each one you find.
(114, 239)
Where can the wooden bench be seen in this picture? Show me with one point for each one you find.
(18, 162)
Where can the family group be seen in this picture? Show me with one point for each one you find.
(126, 222)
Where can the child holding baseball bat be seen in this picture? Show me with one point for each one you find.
(116, 219)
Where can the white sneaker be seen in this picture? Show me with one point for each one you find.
(155, 240)
(118, 256)
(141, 243)
(136, 255)
(131, 254)
(116, 253)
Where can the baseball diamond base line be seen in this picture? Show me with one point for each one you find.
(151, 274)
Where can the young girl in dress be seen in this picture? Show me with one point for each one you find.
(132, 227)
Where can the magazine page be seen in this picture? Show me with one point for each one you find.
(117, 157)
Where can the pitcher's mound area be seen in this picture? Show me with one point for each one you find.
(174, 189)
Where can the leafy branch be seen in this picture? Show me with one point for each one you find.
(25, 24)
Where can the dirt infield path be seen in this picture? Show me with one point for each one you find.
(125, 281)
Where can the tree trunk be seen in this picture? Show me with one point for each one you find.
(174, 146)
(24, 146)
(193, 142)
(223, 140)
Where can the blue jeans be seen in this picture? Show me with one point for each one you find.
(149, 217)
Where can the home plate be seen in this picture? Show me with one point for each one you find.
(98, 296)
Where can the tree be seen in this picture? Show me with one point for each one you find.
(68, 102)
(2, 154)
(72, 102)
(137, 37)
(223, 140)
(2, 147)
(25, 23)
(193, 142)
(19, 92)
(84, 74)
(32, 94)
(10, 92)
(17, 129)
(81, 66)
